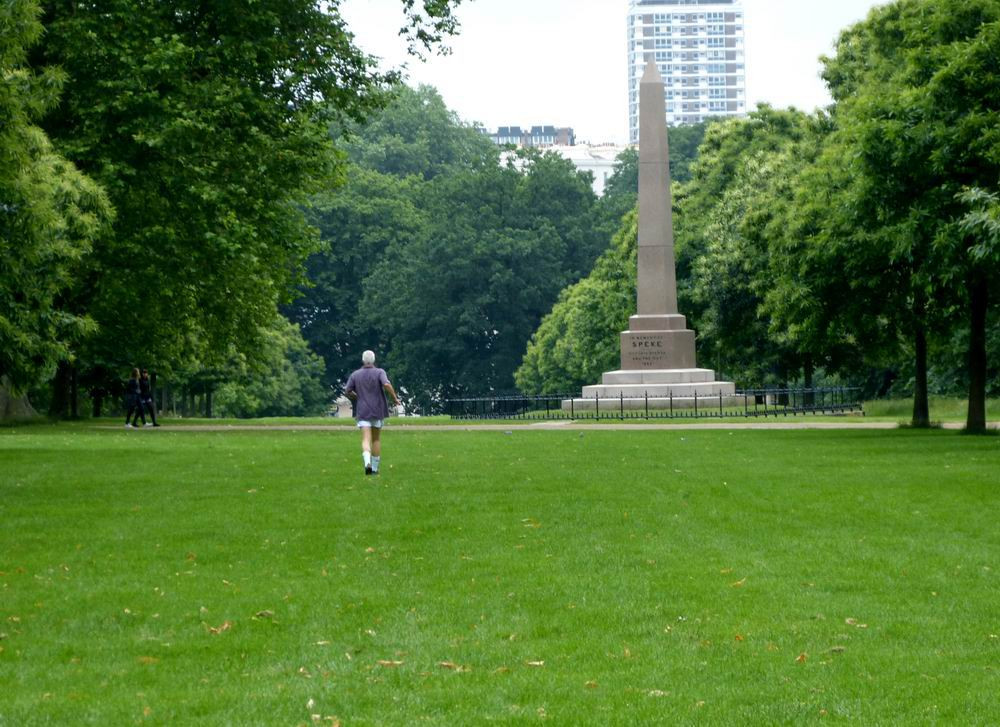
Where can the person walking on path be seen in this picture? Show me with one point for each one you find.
(133, 401)
(367, 387)
(146, 397)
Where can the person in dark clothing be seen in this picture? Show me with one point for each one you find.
(133, 401)
(367, 388)
(146, 396)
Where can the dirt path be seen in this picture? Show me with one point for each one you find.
(540, 426)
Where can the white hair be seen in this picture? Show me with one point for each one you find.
(368, 357)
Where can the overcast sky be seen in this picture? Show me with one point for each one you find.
(563, 62)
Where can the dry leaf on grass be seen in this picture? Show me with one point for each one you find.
(535, 663)
(224, 626)
(801, 658)
(389, 662)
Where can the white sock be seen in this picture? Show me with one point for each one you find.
(375, 461)
(367, 456)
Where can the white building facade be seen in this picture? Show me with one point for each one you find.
(598, 159)
(699, 48)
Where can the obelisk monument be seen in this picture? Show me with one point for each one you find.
(657, 336)
(657, 351)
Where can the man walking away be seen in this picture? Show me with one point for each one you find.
(367, 387)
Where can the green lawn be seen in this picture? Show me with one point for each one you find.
(572, 577)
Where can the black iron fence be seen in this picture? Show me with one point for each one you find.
(746, 403)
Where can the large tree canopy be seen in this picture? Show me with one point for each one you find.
(917, 105)
(50, 214)
(208, 125)
(439, 255)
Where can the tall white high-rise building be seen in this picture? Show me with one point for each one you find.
(699, 47)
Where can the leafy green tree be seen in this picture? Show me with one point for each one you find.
(455, 308)
(440, 256)
(720, 158)
(416, 134)
(50, 215)
(409, 142)
(283, 379)
(208, 125)
(915, 85)
(731, 272)
(578, 340)
(685, 141)
(358, 223)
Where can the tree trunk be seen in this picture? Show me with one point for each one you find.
(74, 393)
(979, 303)
(14, 406)
(98, 399)
(59, 406)
(208, 404)
(921, 406)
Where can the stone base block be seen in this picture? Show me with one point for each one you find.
(655, 403)
(658, 376)
(633, 391)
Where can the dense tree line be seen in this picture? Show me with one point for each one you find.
(440, 254)
(157, 161)
(234, 196)
(859, 243)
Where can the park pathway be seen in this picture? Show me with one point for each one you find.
(551, 425)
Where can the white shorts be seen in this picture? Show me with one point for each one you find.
(377, 423)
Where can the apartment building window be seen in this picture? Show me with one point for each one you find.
(716, 29)
(716, 80)
(716, 42)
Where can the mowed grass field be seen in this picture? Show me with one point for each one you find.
(569, 577)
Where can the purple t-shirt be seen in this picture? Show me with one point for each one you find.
(367, 383)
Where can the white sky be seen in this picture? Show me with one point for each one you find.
(563, 62)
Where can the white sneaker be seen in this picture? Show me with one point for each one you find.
(148, 424)
(129, 426)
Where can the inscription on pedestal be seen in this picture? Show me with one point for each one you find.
(657, 349)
